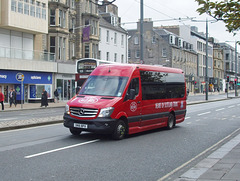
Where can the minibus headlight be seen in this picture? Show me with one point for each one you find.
(106, 112)
(67, 109)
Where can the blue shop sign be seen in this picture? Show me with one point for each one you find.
(12, 77)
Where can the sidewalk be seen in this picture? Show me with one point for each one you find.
(222, 165)
(16, 124)
(32, 106)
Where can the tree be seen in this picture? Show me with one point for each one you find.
(227, 11)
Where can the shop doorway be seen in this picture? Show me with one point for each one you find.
(5, 88)
(25, 93)
(65, 89)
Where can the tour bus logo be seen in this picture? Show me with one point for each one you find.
(19, 77)
(133, 106)
(88, 100)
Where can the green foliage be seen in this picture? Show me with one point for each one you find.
(227, 11)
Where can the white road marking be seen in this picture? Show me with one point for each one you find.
(231, 106)
(189, 123)
(220, 109)
(59, 149)
(187, 117)
(198, 120)
(23, 129)
(204, 113)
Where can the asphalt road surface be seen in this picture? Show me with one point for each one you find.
(51, 153)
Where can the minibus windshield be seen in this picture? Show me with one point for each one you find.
(104, 86)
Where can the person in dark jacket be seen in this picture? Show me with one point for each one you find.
(44, 99)
(56, 96)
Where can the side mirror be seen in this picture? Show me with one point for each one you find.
(132, 94)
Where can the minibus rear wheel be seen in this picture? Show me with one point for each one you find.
(171, 121)
(75, 131)
(120, 130)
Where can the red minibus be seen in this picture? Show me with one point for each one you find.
(121, 99)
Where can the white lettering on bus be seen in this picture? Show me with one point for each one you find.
(166, 105)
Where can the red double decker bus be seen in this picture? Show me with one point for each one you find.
(85, 66)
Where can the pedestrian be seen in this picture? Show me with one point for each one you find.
(11, 97)
(1, 99)
(56, 96)
(14, 97)
(44, 99)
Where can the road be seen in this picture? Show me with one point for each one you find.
(56, 112)
(51, 153)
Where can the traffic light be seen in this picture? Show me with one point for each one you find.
(227, 78)
(235, 80)
(195, 82)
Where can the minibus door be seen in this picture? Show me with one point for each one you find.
(133, 105)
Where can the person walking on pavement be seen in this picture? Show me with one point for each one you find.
(14, 97)
(56, 96)
(11, 97)
(44, 99)
(1, 99)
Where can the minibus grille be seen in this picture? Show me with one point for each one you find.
(83, 112)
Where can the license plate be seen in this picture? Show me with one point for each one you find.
(78, 125)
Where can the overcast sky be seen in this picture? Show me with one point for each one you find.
(129, 11)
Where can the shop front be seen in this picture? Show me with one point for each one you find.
(29, 87)
(65, 84)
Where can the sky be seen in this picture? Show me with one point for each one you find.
(164, 11)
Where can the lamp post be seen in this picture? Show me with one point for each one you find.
(141, 32)
(206, 59)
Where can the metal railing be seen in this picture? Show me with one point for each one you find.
(15, 53)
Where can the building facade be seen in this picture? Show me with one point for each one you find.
(25, 67)
(163, 48)
(198, 41)
(218, 80)
(113, 43)
(231, 70)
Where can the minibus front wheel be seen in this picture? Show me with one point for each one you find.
(75, 131)
(120, 130)
(171, 121)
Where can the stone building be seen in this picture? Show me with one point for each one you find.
(162, 47)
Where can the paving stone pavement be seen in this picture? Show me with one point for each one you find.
(222, 165)
(7, 125)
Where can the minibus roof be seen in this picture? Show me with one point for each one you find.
(127, 69)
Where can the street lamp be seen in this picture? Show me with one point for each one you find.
(141, 32)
